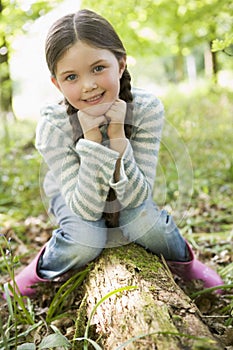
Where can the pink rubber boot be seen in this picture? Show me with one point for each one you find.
(28, 277)
(195, 270)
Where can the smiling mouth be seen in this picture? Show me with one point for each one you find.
(95, 98)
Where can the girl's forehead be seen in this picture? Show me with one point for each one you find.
(85, 47)
(82, 51)
(82, 56)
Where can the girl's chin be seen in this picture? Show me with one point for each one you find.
(97, 110)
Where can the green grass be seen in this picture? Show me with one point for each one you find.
(19, 169)
(198, 130)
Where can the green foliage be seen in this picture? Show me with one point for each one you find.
(202, 119)
(55, 340)
(161, 27)
(222, 44)
(19, 169)
(21, 311)
(20, 308)
(16, 16)
(56, 307)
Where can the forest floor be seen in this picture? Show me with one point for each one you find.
(205, 216)
(216, 310)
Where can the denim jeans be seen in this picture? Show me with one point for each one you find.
(77, 242)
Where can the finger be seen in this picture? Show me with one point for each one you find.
(101, 120)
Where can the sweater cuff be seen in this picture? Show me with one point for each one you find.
(119, 186)
(94, 149)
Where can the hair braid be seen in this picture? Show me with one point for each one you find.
(112, 219)
(126, 95)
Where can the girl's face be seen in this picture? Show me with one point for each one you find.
(89, 77)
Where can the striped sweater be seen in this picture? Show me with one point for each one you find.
(83, 173)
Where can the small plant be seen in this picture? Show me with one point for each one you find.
(55, 340)
(56, 307)
(228, 309)
(20, 308)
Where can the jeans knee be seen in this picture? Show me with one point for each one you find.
(63, 254)
(87, 254)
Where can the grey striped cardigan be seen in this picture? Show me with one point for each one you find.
(84, 172)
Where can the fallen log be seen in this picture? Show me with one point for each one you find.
(156, 314)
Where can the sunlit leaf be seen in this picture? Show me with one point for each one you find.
(54, 340)
(26, 346)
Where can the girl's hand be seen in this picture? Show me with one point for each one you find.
(116, 132)
(90, 126)
(116, 117)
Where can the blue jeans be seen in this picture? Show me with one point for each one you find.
(77, 242)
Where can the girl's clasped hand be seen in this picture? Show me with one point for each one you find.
(114, 118)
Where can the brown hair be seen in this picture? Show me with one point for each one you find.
(93, 29)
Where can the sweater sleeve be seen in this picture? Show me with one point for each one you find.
(139, 161)
(82, 172)
(86, 186)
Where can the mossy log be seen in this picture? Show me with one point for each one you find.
(157, 315)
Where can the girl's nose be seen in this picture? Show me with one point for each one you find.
(89, 85)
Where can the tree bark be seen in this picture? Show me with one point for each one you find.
(157, 312)
(6, 92)
(211, 63)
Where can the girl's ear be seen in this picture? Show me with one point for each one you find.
(55, 82)
(122, 65)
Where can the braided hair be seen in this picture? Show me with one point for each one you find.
(87, 26)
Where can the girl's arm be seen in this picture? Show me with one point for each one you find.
(116, 132)
(82, 172)
(138, 162)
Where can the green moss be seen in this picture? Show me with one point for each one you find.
(137, 259)
(80, 323)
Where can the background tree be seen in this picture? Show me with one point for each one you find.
(15, 19)
(151, 28)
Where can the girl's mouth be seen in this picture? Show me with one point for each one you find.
(95, 99)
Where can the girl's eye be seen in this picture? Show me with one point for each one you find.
(71, 77)
(98, 69)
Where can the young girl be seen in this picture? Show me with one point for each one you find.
(101, 146)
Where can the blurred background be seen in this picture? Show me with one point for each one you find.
(168, 42)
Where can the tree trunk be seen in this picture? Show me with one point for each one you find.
(211, 63)
(179, 67)
(158, 313)
(5, 79)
